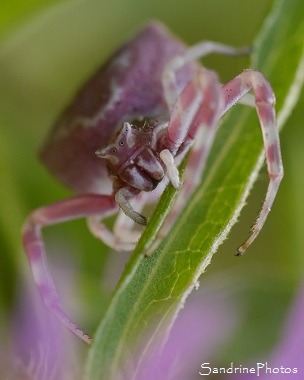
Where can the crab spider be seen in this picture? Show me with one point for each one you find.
(125, 130)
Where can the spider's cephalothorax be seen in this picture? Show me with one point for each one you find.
(132, 156)
(148, 104)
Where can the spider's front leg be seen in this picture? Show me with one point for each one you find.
(196, 108)
(265, 101)
(194, 119)
(203, 133)
(69, 209)
(185, 127)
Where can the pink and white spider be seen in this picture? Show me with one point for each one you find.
(140, 113)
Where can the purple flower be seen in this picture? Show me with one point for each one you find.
(202, 327)
(41, 349)
(286, 361)
(201, 330)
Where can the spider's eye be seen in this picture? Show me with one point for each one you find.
(121, 143)
(114, 150)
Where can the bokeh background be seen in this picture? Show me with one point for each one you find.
(47, 50)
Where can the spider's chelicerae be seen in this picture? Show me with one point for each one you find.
(125, 131)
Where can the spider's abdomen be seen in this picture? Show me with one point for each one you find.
(127, 87)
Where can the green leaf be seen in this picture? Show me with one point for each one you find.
(152, 290)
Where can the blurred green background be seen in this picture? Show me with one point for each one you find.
(47, 50)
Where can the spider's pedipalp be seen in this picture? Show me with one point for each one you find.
(121, 199)
(172, 171)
